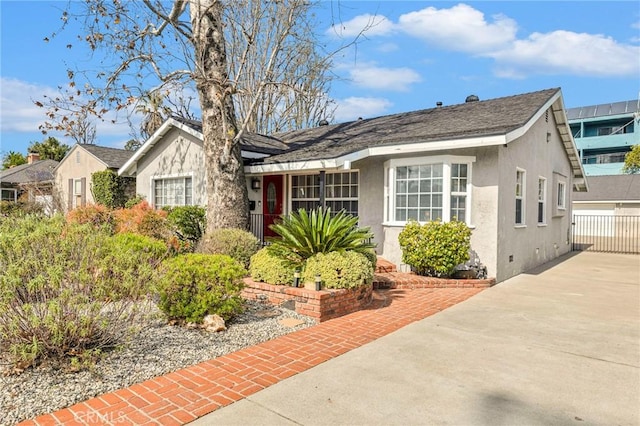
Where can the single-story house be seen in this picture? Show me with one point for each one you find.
(33, 180)
(73, 174)
(610, 195)
(507, 167)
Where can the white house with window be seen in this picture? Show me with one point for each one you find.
(73, 174)
(476, 162)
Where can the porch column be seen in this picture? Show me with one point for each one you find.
(321, 183)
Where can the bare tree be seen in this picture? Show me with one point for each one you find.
(276, 76)
(282, 80)
(68, 114)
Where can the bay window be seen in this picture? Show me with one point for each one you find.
(428, 188)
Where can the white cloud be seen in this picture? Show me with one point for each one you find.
(566, 52)
(18, 113)
(380, 78)
(460, 28)
(367, 24)
(352, 108)
(388, 47)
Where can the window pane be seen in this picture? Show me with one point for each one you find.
(354, 178)
(437, 170)
(436, 185)
(413, 187)
(413, 172)
(436, 201)
(412, 214)
(413, 200)
(401, 187)
(401, 173)
(425, 185)
(425, 201)
(425, 171)
(401, 200)
(401, 214)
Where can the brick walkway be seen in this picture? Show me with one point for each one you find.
(185, 395)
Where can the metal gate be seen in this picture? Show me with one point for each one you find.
(606, 233)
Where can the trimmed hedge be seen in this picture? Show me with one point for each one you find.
(435, 248)
(348, 269)
(237, 243)
(271, 269)
(193, 285)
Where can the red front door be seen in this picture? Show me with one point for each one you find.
(272, 199)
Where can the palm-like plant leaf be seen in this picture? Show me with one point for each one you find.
(302, 234)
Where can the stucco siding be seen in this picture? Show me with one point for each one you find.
(371, 197)
(178, 154)
(77, 164)
(540, 154)
(483, 213)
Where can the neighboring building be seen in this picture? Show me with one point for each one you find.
(607, 218)
(32, 181)
(73, 174)
(506, 167)
(617, 195)
(604, 134)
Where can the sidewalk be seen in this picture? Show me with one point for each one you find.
(185, 395)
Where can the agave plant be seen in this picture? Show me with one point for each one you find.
(302, 234)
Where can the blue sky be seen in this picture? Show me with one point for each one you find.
(415, 54)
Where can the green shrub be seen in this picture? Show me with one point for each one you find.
(134, 201)
(189, 221)
(238, 244)
(347, 269)
(302, 235)
(130, 260)
(268, 268)
(435, 248)
(192, 286)
(109, 189)
(48, 294)
(20, 208)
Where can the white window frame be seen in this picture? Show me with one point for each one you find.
(77, 194)
(542, 200)
(562, 195)
(13, 190)
(152, 191)
(522, 197)
(327, 199)
(390, 167)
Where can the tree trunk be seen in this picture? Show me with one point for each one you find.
(227, 198)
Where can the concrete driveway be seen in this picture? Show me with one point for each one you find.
(559, 345)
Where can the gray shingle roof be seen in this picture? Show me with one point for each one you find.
(114, 158)
(611, 188)
(253, 142)
(482, 118)
(39, 171)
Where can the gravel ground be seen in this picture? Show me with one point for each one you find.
(158, 350)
